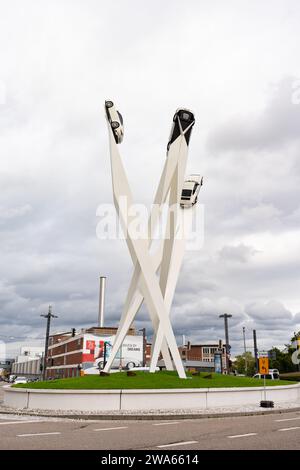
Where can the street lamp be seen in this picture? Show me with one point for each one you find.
(245, 351)
(226, 316)
(144, 345)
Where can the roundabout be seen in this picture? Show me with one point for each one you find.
(118, 392)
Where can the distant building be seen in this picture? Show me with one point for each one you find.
(5, 366)
(148, 354)
(27, 353)
(196, 357)
(202, 356)
(28, 362)
(71, 354)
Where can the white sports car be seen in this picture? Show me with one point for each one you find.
(190, 190)
(128, 363)
(116, 121)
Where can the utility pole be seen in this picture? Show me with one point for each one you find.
(226, 316)
(49, 315)
(245, 351)
(101, 301)
(144, 345)
(255, 350)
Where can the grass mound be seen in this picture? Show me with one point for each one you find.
(145, 380)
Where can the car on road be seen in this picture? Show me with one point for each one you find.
(20, 380)
(115, 120)
(190, 190)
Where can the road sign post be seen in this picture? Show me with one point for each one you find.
(263, 364)
(263, 367)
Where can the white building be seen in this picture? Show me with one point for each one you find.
(28, 362)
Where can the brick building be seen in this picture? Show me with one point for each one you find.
(70, 353)
(203, 354)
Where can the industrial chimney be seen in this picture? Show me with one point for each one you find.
(101, 301)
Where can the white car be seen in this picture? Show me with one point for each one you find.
(20, 380)
(190, 190)
(116, 121)
(127, 363)
(272, 375)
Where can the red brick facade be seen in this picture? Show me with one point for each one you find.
(66, 349)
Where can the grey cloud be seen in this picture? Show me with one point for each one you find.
(58, 68)
(240, 253)
(277, 126)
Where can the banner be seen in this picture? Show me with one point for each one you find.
(95, 347)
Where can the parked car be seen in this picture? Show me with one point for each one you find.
(190, 190)
(183, 121)
(272, 375)
(20, 380)
(116, 121)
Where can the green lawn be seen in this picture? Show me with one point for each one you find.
(163, 379)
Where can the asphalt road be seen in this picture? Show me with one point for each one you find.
(276, 431)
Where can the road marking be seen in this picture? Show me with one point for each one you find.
(165, 424)
(289, 429)
(38, 434)
(21, 422)
(243, 435)
(111, 429)
(286, 419)
(178, 444)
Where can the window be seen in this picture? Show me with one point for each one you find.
(185, 116)
(186, 192)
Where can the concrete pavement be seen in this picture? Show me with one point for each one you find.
(281, 431)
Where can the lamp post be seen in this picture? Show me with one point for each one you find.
(49, 315)
(245, 351)
(255, 350)
(144, 345)
(226, 316)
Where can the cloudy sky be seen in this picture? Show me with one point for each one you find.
(236, 65)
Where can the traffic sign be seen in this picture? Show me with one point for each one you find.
(263, 363)
(263, 354)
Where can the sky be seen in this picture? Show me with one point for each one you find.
(236, 65)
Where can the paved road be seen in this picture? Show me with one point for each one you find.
(277, 431)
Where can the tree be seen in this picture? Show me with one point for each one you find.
(240, 364)
(283, 361)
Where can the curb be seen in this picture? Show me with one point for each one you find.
(151, 417)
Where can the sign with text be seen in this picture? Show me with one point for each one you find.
(263, 364)
(263, 353)
(95, 347)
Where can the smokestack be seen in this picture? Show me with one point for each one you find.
(101, 301)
